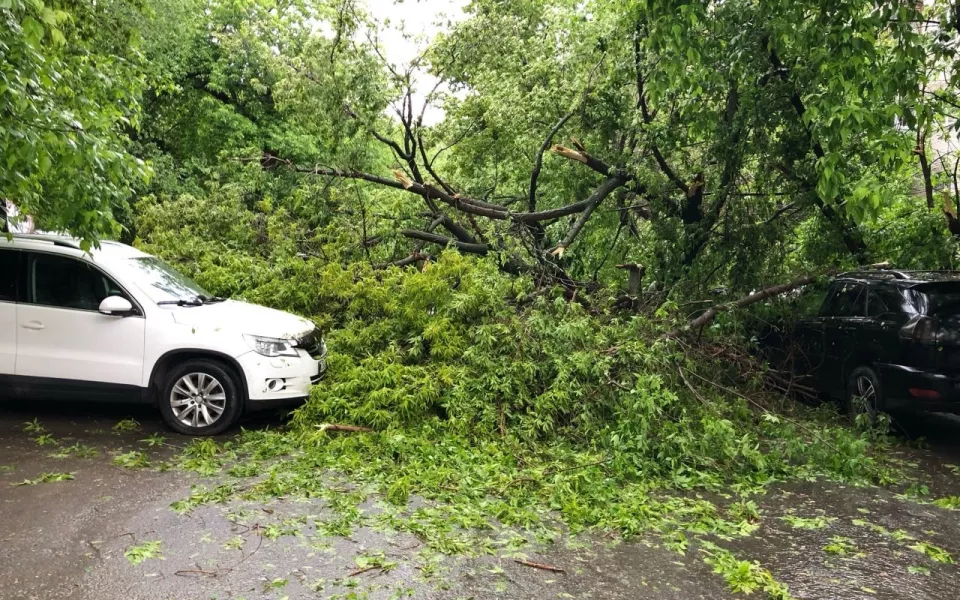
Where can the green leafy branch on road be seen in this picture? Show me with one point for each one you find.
(47, 478)
(138, 553)
(743, 576)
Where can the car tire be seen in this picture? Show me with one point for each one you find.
(200, 397)
(864, 394)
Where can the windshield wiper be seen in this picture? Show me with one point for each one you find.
(181, 302)
(211, 299)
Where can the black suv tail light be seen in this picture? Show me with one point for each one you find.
(922, 329)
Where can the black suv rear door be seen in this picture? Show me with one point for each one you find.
(885, 317)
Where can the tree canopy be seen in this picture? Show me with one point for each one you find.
(717, 143)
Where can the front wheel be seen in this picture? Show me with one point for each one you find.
(863, 394)
(200, 397)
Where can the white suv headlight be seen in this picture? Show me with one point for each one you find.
(270, 346)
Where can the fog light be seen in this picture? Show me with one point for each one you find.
(276, 385)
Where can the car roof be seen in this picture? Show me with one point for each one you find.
(103, 249)
(900, 278)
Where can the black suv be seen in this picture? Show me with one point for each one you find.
(885, 340)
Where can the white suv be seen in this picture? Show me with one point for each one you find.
(118, 324)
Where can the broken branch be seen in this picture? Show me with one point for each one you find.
(540, 566)
(344, 428)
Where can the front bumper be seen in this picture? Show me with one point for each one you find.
(275, 380)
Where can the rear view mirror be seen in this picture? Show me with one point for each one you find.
(115, 306)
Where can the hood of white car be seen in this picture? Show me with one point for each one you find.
(242, 317)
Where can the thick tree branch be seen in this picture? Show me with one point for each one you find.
(467, 205)
(538, 162)
(429, 166)
(435, 238)
(711, 313)
(598, 196)
(730, 147)
(925, 171)
(648, 115)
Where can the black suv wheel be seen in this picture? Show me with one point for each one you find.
(864, 395)
(200, 397)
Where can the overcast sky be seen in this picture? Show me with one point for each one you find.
(421, 19)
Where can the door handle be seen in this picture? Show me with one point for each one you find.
(34, 325)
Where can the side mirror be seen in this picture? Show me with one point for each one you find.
(115, 306)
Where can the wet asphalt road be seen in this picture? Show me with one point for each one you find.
(67, 539)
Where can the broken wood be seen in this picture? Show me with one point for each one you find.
(343, 428)
(540, 566)
(636, 277)
(196, 573)
(711, 313)
(363, 570)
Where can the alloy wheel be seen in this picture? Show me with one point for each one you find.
(198, 400)
(865, 399)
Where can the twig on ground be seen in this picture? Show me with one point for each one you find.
(363, 570)
(196, 573)
(540, 566)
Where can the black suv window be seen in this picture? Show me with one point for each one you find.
(848, 300)
(65, 282)
(876, 305)
(9, 270)
(882, 301)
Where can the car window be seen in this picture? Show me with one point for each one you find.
(9, 269)
(876, 305)
(160, 281)
(940, 299)
(65, 282)
(848, 300)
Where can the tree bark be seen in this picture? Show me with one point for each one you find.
(925, 166)
(711, 313)
(435, 238)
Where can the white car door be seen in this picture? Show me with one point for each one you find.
(9, 271)
(64, 340)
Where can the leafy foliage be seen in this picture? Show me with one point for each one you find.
(47, 478)
(744, 576)
(722, 145)
(811, 523)
(70, 82)
(139, 553)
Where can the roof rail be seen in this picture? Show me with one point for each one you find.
(62, 242)
(878, 274)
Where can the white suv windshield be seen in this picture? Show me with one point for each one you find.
(162, 283)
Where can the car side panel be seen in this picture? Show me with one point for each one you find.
(165, 336)
(79, 345)
(9, 260)
(8, 338)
